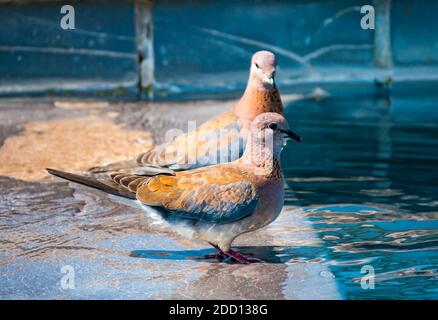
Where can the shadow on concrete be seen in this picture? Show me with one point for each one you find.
(269, 254)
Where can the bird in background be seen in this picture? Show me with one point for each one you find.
(217, 203)
(221, 139)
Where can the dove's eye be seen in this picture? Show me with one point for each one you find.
(273, 126)
(257, 66)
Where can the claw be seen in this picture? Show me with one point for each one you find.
(231, 255)
(219, 256)
(240, 258)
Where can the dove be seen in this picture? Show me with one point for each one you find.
(221, 139)
(217, 203)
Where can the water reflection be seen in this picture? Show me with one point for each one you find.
(269, 254)
(224, 281)
(367, 179)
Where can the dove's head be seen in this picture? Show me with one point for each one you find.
(262, 71)
(269, 133)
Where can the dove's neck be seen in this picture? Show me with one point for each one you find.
(264, 156)
(257, 100)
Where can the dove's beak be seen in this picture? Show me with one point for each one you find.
(292, 135)
(270, 81)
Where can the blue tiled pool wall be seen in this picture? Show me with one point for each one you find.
(202, 48)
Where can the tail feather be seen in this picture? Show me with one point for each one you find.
(132, 167)
(109, 187)
(129, 181)
(113, 167)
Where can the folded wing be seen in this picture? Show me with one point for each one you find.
(217, 195)
(185, 151)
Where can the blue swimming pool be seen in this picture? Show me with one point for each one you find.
(366, 176)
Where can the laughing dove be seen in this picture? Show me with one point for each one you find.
(202, 146)
(217, 203)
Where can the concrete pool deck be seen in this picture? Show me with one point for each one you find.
(115, 252)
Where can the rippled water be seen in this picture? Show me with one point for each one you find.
(366, 175)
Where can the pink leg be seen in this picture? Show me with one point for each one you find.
(220, 255)
(217, 255)
(240, 258)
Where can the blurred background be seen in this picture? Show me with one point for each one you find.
(197, 49)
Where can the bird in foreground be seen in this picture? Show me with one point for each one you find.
(217, 203)
(204, 145)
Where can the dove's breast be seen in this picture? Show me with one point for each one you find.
(271, 198)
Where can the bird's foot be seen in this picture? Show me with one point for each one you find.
(219, 256)
(231, 255)
(240, 258)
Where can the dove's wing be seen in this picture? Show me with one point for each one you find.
(218, 194)
(186, 151)
(182, 152)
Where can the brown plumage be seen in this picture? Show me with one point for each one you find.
(215, 203)
(223, 138)
(209, 188)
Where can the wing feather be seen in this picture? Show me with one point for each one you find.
(218, 195)
(177, 153)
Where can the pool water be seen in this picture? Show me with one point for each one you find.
(366, 176)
